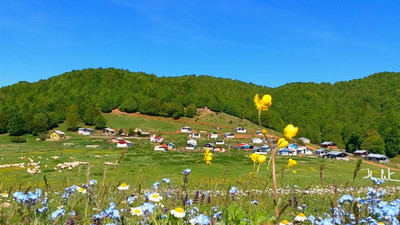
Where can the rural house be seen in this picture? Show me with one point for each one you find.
(287, 151)
(328, 144)
(362, 153)
(108, 132)
(192, 142)
(57, 134)
(304, 151)
(124, 144)
(377, 158)
(208, 145)
(220, 142)
(229, 135)
(213, 135)
(305, 140)
(186, 129)
(156, 139)
(257, 141)
(240, 130)
(162, 148)
(85, 131)
(195, 135)
(336, 155)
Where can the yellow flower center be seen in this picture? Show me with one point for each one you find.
(137, 210)
(81, 189)
(302, 215)
(123, 185)
(4, 194)
(284, 222)
(179, 210)
(155, 195)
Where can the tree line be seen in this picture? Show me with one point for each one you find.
(357, 114)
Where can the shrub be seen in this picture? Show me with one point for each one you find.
(18, 139)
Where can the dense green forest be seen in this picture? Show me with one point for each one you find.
(358, 114)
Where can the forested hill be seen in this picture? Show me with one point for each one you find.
(358, 114)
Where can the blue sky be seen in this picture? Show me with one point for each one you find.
(264, 42)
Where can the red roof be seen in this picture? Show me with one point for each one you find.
(122, 142)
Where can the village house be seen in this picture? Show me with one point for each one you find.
(377, 158)
(190, 147)
(195, 135)
(337, 155)
(304, 151)
(212, 135)
(220, 142)
(57, 134)
(321, 152)
(260, 151)
(162, 148)
(108, 132)
(361, 153)
(124, 144)
(219, 149)
(208, 145)
(240, 130)
(115, 140)
(305, 140)
(170, 146)
(328, 144)
(85, 131)
(156, 139)
(192, 142)
(186, 129)
(287, 151)
(229, 135)
(257, 141)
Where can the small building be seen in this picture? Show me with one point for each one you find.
(190, 147)
(57, 134)
(377, 158)
(260, 151)
(145, 134)
(156, 139)
(195, 135)
(186, 129)
(336, 155)
(259, 133)
(305, 140)
(293, 146)
(170, 146)
(208, 145)
(321, 152)
(212, 135)
(115, 140)
(108, 132)
(219, 149)
(162, 148)
(244, 146)
(361, 153)
(257, 141)
(287, 151)
(85, 131)
(124, 144)
(241, 130)
(304, 151)
(192, 142)
(328, 144)
(229, 135)
(220, 142)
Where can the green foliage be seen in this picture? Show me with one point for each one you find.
(374, 142)
(17, 139)
(3, 123)
(16, 126)
(100, 122)
(72, 118)
(191, 110)
(342, 112)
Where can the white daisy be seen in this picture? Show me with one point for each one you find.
(301, 217)
(178, 212)
(81, 190)
(285, 222)
(4, 195)
(155, 197)
(137, 211)
(123, 186)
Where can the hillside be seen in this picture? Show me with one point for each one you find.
(355, 114)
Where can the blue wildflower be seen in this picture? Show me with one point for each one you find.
(130, 200)
(217, 215)
(311, 218)
(148, 207)
(92, 182)
(58, 213)
(254, 202)
(202, 220)
(166, 180)
(345, 198)
(163, 216)
(233, 190)
(156, 185)
(186, 172)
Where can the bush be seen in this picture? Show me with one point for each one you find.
(18, 139)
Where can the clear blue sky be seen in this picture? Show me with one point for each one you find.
(265, 42)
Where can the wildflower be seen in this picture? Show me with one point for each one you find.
(264, 131)
(186, 172)
(217, 215)
(290, 131)
(282, 143)
(254, 157)
(261, 159)
(43, 209)
(301, 217)
(166, 180)
(4, 195)
(178, 212)
(233, 190)
(294, 171)
(207, 156)
(311, 218)
(81, 190)
(130, 200)
(254, 202)
(264, 103)
(377, 181)
(345, 198)
(285, 222)
(92, 182)
(155, 197)
(156, 184)
(137, 211)
(123, 186)
(57, 213)
(148, 207)
(201, 220)
(291, 163)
